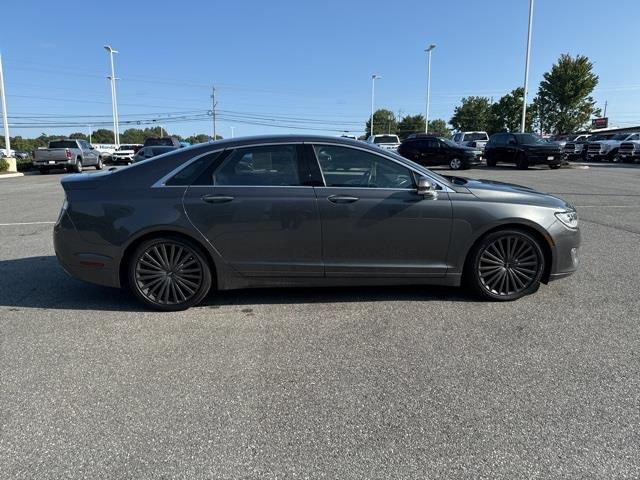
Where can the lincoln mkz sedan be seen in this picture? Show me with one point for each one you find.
(306, 211)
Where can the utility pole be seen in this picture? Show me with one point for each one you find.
(526, 69)
(232, 131)
(213, 110)
(374, 77)
(5, 121)
(605, 109)
(114, 101)
(428, 50)
(90, 131)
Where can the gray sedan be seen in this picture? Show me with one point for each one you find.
(306, 211)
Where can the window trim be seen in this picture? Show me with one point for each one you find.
(444, 187)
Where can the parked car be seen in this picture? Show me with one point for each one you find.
(608, 149)
(521, 149)
(162, 142)
(124, 154)
(386, 142)
(476, 140)
(71, 154)
(431, 150)
(306, 211)
(149, 152)
(629, 151)
(575, 149)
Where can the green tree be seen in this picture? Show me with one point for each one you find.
(199, 138)
(473, 114)
(384, 121)
(439, 128)
(102, 135)
(409, 124)
(507, 113)
(79, 136)
(564, 99)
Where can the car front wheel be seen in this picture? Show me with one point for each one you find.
(456, 164)
(169, 274)
(506, 265)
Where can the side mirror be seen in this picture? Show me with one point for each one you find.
(426, 188)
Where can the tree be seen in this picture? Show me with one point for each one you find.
(79, 136)
(474, 114)
(199, 138)
(564, 97)
(102, 135)
(507, 113)
(409, 124)
(384, 121)
(439, 128)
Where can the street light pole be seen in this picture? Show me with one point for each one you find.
(5, 121)
(114, 101)
(232, 131)
(374, 77)
(526, 69)
(426, 118)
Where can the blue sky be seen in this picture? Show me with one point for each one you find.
(297, 63)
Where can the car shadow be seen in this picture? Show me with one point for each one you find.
(40, 282)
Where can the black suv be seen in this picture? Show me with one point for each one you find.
(522, 149)
(429, 150)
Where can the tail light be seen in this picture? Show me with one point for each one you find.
(67, 153)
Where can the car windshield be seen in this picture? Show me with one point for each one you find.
(527, 138)
(386, 139)
(470, 137)
(620, 136)
(449, 142)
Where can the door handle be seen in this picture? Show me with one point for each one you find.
(216, 198)
(342, 199)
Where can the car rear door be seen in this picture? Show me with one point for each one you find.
(374, 224)
(259, 212)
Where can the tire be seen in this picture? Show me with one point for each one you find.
(522, 162)
(491, 162)
(492, 273)
(99, 165)
(457, 164)
(78, 166)
(554, 166)
(158, 275)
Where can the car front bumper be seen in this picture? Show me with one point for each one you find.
(565, 250)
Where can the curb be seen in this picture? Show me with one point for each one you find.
(11, 175)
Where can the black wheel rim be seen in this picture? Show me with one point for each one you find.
(168, 273)
(508, 265)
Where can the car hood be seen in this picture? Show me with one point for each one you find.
(507, 192)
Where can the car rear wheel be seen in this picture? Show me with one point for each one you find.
(169, 274)
(99, 165)
(78, 166)
(506, 265)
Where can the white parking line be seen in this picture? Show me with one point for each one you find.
(25, 223)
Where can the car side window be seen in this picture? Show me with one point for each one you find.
(511, 140)
(350, 167)
(190, 174)
(268, 166)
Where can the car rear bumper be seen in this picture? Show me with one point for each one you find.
(78, 257)
(54, 163)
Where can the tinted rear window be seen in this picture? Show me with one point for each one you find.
(386, 139)
(159, 141)
(472, 137)
(63, 144)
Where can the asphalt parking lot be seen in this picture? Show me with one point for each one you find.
(339, 383)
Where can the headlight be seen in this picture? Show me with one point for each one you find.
(606, 147)
(568, 218)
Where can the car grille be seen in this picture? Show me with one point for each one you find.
(594, 148)
(570, 148)
(629, 148)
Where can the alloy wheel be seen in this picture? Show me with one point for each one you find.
(169, 273)
(509, 265)
(455, 164)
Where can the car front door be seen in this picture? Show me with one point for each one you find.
(510, 149)
(259, 212)
(374, 223)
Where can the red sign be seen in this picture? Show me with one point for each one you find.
(600, 122)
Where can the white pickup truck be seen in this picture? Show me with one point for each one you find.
(476, 140)
(73, 155)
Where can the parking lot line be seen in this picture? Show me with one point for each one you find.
(25, 223)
